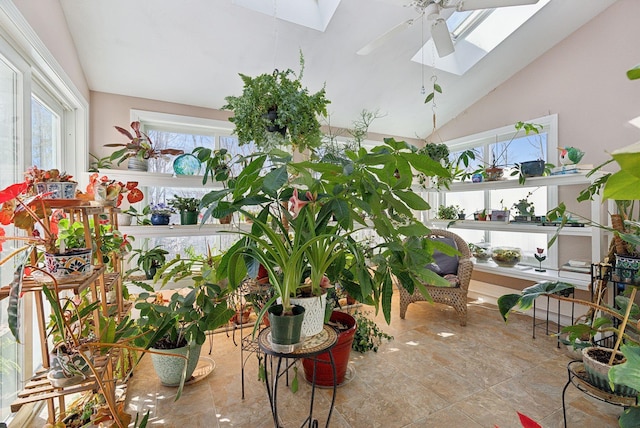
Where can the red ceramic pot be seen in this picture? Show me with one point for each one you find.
(341, 353)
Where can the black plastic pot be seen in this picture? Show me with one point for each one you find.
(272, 115)
(532, 168)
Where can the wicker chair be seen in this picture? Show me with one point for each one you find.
(456, 296)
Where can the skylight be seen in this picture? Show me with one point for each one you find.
(308, 13)
(475, 34)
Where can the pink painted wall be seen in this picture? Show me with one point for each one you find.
(48, 21)
(582, 79)
(108, 110)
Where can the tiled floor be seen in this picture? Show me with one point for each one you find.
(434, 373)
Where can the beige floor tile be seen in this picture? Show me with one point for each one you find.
(434, 373)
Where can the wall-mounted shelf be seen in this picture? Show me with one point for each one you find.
(511, 227)
(154, 179)
(552, 180)
(174, 230)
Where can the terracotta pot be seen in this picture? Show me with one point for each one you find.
(341, 353)
(226, 219)
(494, 174)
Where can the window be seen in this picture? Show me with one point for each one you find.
(507, 148)
(185, 133)
(475, 34)
(36, 99)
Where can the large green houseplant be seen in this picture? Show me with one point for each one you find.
(275, 108)
(364, 190)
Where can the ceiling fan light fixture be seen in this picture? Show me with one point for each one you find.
(441, 37)
(432, 11)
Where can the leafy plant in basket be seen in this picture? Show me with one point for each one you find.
(139, 146)
(275, 109)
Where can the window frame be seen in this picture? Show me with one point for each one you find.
(486, 138)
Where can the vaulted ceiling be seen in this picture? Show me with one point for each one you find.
(191, 52)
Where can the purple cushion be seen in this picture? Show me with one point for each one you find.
(444, 264)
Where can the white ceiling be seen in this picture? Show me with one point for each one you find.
(191, 52)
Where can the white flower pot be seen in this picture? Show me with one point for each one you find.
(313, 314)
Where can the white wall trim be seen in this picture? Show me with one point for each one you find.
(51, 74)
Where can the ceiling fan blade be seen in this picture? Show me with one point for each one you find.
(375, 44)
(490, 4)
(441, 37)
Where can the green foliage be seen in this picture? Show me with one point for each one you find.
(216, 163)
(99, 163)
(71, 234)
(448, 212)
(436, 152)
(368, 335)
(431, 96)
(282, 92)
(185, 318)
(525, 300)
(367, 187)
(525, 207)
(147, 259)
(140, 216)
(184, 203)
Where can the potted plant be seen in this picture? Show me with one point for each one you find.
(188, 208)
(140, 216)
(53, 183)
(148, 261)
(312, 236)
(525, 209)
(346, 326)
(161, 214)
(138, 150)
(368, 335)
(111, 192)
(480, 215)
(276, 109)
(448, 212)
(178, 328)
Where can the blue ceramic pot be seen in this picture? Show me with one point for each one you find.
(160, 219)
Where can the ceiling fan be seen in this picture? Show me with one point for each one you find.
(431, 9)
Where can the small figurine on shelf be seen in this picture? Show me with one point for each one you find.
(540, 258)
